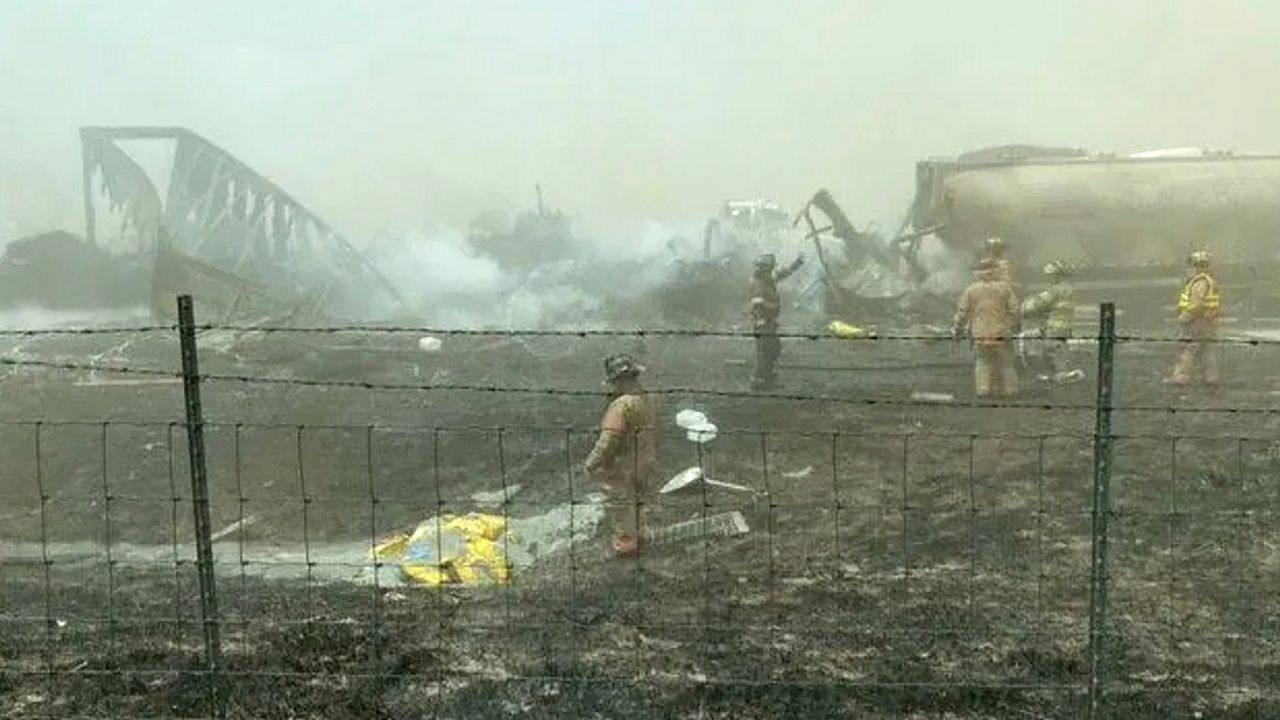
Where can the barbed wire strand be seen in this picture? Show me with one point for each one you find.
(697, 333)
(660, 391)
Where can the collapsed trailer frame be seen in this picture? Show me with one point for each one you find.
(227, 234)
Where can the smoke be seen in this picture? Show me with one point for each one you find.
(405, 111)
(447, 281)
(435, 265)
(411, 115)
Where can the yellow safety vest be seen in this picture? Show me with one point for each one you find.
(1212, 298)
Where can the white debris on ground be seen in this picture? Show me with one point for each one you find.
(696, 426)
(496, 498)
(694, 477)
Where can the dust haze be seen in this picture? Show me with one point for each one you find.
(410, 114)
(399, 123)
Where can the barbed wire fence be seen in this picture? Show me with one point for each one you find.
(895, 572)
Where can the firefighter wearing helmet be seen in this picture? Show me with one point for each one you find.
(1052, 315)
(988, 313)
(1199, 312)
(766, 306)
(625, 457)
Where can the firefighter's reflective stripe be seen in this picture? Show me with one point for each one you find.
(1062, 313)
(1209, 304)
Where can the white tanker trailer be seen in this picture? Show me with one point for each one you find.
(1117, 219)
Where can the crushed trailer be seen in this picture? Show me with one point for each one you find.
(246, 249)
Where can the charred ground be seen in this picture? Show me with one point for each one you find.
(933, 561)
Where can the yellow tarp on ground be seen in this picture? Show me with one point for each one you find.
(451, 549)
(844, 329)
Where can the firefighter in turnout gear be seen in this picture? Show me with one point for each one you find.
(988, 313)
(625, 455)
(1054, 314)
(765, 308)
(1199, 312)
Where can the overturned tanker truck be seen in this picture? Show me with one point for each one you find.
(1125, 224)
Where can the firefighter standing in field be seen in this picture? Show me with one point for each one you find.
(1055, 314)
(988, 312)
(1199, 312)
(765, 308)
(625, 456)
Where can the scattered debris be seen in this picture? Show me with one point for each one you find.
(803, 472)
(698, 428)
(804, 581)
(688, 418)
(451, 549)
(693, 477)
(430, 345)
(933, 397)
(235, 527)
(495, 498)
(526, 239)
(59, 270)
(1064, 377)
(845, 330)
(486, 548)
(659, 643)
(729, 524)
(94, 380)
(703, 433)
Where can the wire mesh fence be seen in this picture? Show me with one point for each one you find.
(893, 573)
(923, 569)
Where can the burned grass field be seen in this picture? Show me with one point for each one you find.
(902, 559)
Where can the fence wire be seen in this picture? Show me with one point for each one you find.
(899, 573)
(921, 569)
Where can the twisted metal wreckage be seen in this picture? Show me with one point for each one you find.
(244, 248)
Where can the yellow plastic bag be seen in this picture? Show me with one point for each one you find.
(844, 329)
(451, 549)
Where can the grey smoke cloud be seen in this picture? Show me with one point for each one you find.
(401, 114)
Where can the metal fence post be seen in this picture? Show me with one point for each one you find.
(200, 499)
(1102, 447)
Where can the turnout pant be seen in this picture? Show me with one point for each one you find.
(624, 507)
(1197, 363)
(768, 350)
(993, 370)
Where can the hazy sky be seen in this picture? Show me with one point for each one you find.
(399, 114)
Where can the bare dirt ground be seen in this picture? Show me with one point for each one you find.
(904, 560)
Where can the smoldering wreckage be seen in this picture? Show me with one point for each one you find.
(256, 260)
(253, 256)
